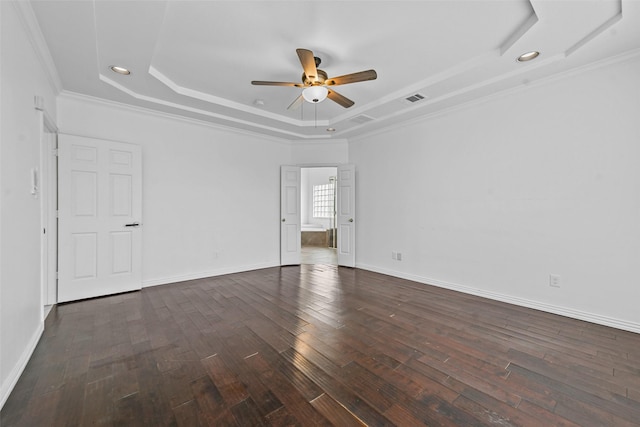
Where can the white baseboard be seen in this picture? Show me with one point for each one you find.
(18, 368)
(523, 302)
(204, 274)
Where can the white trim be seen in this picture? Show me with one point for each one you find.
(522, 302)
(48, 121)
(216, 100)
(48, 189)
(32, 28)
(18, 368)
(519, 33)
(592, 35)
(623, 57)
(195, 110)
(164, 115)
(210, 273)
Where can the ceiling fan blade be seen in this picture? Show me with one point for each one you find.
(337, 98)
(296, 103)
(308, 64)
(262, 83)
(352, 78)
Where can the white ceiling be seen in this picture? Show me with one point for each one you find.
(198, 58)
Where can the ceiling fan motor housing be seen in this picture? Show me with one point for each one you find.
(318, 80)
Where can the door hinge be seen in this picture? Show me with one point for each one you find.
(54, 152)
(57, 214)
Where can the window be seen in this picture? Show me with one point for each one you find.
(323, 200)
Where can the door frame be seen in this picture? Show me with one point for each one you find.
(47, 192)
(308, 166)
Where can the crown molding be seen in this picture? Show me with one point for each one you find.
(168, 116)
(629, 55)
(187, 108)
(32, 28)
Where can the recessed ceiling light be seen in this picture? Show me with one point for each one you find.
(120, 70)
(331, 129)
(528, 56)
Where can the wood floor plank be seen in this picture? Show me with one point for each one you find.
(333, 411)
(225, 379)
(68, 412)
(187, 414)
(400, 416)
(327, 377)
(321, 345)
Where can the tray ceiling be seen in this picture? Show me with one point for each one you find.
(197, 58)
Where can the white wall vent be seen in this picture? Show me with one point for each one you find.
(362, 118)
(415, 98)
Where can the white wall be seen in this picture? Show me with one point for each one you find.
(210, 196)
(492, 198)
(320, 153)
(22, 78)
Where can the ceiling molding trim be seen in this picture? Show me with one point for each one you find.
(631, 55)
(164, 115)
(34, 34)
(212, 99)
(592, 35)
(198, 110)
(421, 86)
(191, 93)
(543, 63)
(465, 90)
(517, 35)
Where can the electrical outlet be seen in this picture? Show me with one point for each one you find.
(399, 257)
(554, 280)
(394, 255)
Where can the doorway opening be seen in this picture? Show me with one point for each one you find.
(318, 231)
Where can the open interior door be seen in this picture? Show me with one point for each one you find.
(290, 217)
(100, 212)
(346, 208)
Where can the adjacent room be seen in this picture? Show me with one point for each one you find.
(341, 213)
(319, 234)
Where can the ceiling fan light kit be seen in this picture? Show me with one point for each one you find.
(315, 94)
(316, 81)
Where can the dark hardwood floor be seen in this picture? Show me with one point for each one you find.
(322, 345)
(318, 255)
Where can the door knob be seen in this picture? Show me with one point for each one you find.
(133, 224)
(350, 219)
(283, 220)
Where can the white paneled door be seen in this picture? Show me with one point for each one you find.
(346, 209)
(100, 213)
(290, 217)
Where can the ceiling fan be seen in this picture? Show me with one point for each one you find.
(316, 82)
